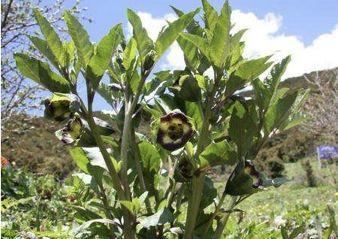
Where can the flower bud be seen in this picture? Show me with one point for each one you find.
(60, 106)
(149, 61)
(184, 170)
(174, 130)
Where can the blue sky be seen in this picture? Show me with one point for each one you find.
(305, 19)
(306, 30)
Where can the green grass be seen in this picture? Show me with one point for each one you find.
(291, 205)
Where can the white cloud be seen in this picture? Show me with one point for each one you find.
(262, 38)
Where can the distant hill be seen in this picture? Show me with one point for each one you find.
(30, 142)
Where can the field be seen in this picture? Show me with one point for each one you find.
(44, 207)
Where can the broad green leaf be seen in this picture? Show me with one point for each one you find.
(52, 38)
(242, 128)
(144, 43)
(250, 70)
(262, 94)
(237, 47)
(129, 53)
(41, 73)
(190, 52)
(169, 35)
(277, 72)
(193, 27)
(199, 42)
(210, 15)
(220, 43)
(133, 206)
(80, 38)
(99, 62)
(159, 218)
(106, 92)
(246, 72)
(278, 112)
(201, 81)
(80, 158)
(218, 154)
(42, 46)
(151, 159)
(187, 88)
(194, 111)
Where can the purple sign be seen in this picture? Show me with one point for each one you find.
(327, 152)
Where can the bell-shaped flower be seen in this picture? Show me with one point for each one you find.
(256, 177)
(174, 130)
(72, 131)
(61, 106)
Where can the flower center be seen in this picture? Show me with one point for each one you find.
(175, 131)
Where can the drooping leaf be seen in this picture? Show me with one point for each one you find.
(52, 38)
(194, 111)
(169, 35)
(80, 38)
(80, 159)
(99, 62)
(151, 159)
(144, 42)
(218, 154)
(41, 73)
(190, 52)
(242, 128)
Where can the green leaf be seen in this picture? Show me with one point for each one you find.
(199, 42)
(194, 111)
(80, 38)
(218, 154)
(276, 73)
(187, 88)
(190, 52)
(129, 53)
(210, 15)
(151, 159)
(220, 43)
(159, 218)
(41, 73)
(201, 81)
(250, 70)
(133, 206)
(246, 72)
(99, 62)
(52, 38)
(42, 46)
(278, 112)
(144, 42)
(80, 158)
(169, 35)
(242, 128)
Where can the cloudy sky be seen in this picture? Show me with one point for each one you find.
(308, 30)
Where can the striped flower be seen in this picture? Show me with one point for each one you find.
(71, 132)
(174, 130)
(250, 169)
(60, 106)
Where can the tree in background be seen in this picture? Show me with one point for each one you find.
(16, 21)
(322, 107)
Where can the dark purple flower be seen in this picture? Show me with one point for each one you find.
(174, 130)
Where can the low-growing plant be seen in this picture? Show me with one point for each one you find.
(158, 186)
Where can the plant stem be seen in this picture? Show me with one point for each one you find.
(217, 209)
(224, 220)
(198, 180)
(139, 170)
